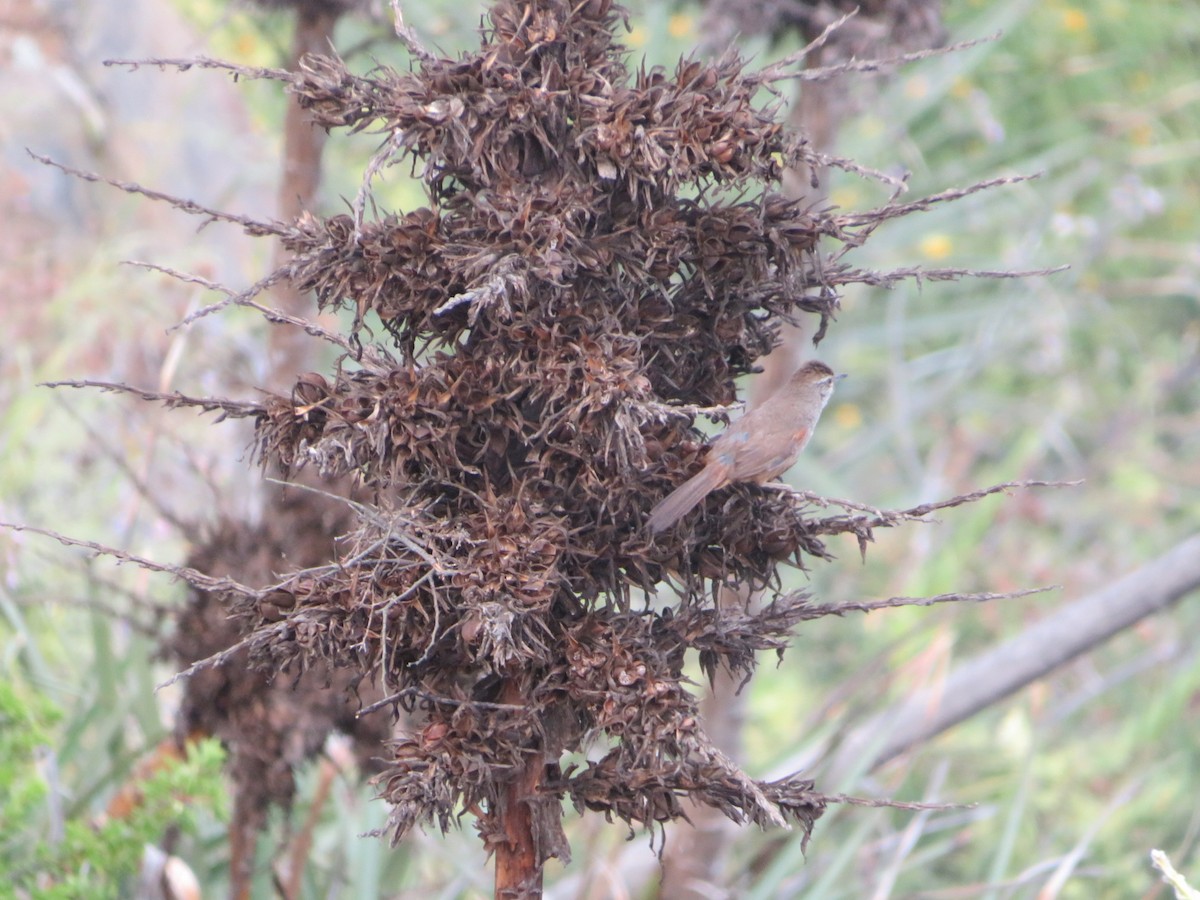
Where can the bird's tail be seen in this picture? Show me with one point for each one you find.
(684, 498)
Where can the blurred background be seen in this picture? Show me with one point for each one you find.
(1088, 374)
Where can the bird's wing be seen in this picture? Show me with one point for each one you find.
(687, 496)
(757, 451)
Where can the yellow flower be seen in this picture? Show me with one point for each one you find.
(1142, 134)
(1074, 19)
(847, 415)
(916, 87)
(679, 25)
(247, 46)
(936, 246)
(845, 197)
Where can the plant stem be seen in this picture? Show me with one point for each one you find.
(518, 866)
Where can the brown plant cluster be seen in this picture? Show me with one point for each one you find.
(603, 253)
(600, 247)
(269, 726)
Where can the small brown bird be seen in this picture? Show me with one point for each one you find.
(759, 446)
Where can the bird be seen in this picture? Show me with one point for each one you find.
(759, 446)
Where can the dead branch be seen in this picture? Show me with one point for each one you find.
(183, 573)
(784, 70)
(253, 227)
(204, 62)
(229, 409)
(998, 673)
(815, 611)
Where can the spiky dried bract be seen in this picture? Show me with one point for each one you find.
(600, 248)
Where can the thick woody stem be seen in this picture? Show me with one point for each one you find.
(243, 841)
(518, 867)
(303, 146)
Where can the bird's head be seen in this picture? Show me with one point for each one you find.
(815, 375)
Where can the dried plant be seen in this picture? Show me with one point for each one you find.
(603, 253)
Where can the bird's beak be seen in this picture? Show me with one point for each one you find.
(839, 377)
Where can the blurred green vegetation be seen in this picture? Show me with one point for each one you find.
(53, 846)
(1090, 373)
